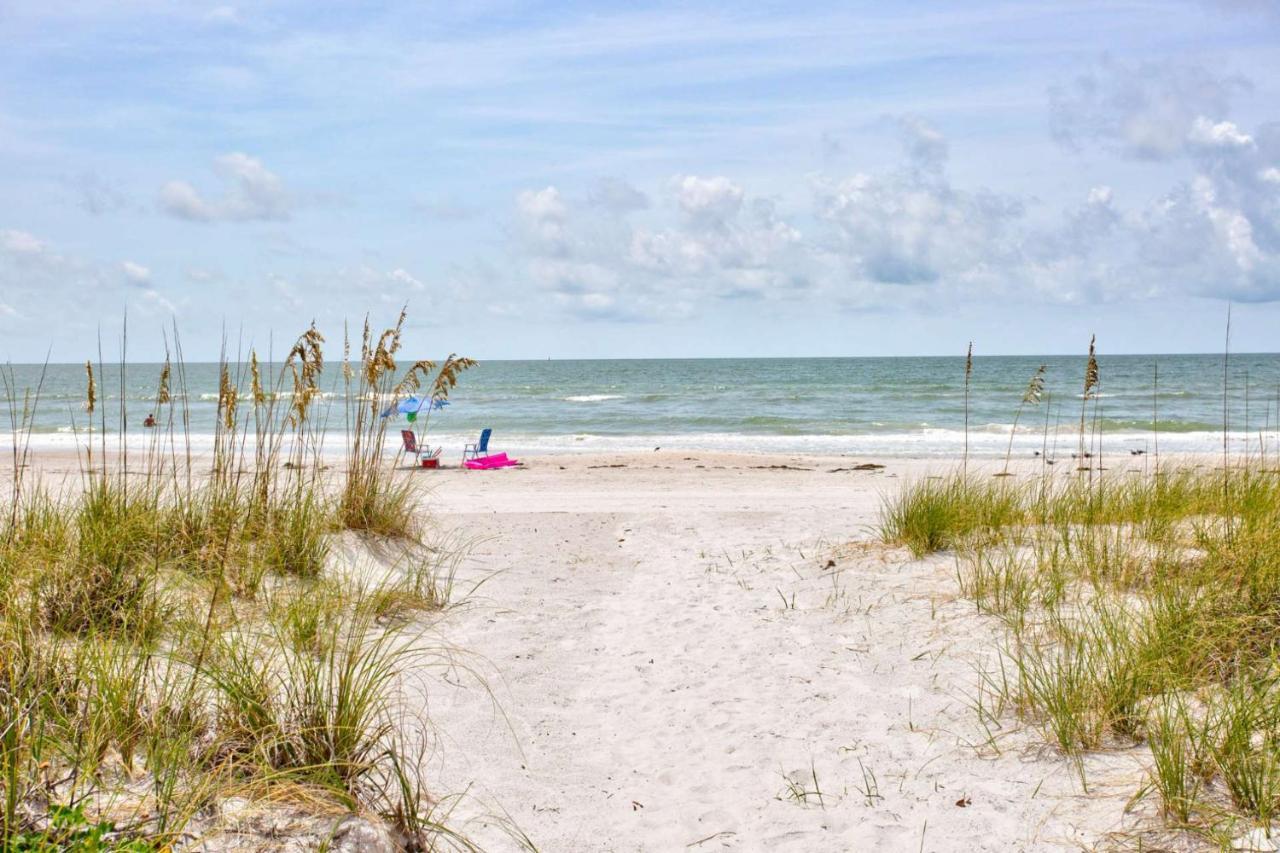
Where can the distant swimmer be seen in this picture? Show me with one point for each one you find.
(150, 420)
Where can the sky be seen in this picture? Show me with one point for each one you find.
(598, 180)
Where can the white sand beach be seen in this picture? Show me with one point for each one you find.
(706, 652)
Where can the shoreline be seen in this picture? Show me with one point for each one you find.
(938, 445)
(891, 465)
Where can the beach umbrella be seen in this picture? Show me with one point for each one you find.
(410, 406)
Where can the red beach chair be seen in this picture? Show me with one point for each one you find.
(422, 455)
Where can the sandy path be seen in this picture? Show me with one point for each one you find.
(670, 649)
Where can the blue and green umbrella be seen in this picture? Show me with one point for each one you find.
(411, 406)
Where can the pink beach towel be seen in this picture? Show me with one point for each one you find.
(485, 463)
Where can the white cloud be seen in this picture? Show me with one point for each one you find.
(154, 303)
(402, 277)
(1145, 110)
(724, 245)
(254, 193)
(135, 273)
(708, 201)
(180, 199)
(542, 205)
(1223, 134)
(868, 235)
(21, 243)
(542, 215)
(912, 226)
(1216, 234)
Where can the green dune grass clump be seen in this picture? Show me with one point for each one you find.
(1139, 609)
(169, 634)
(934, 514)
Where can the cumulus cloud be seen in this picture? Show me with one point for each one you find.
(1215, 234)
(180, 199)
(406, 279)
(1083, 256)
(21, 244)
(544, 205)
(542, 215)
(912, 226)
(1206, 238)
(1143, 110)
(1205, 133)
(135, 273)
(909, 226)
(723, 244)
(154, 303)
(910, 235)
(708, 202)
(253, 193)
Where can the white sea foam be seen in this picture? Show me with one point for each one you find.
(592, 398)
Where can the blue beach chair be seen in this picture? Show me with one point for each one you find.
(480, 448)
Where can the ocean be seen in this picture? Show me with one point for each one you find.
(870, 406)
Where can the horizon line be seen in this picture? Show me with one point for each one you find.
(544, 359)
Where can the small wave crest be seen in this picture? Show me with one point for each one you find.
(592, 398)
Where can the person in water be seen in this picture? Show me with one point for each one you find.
(150, 420)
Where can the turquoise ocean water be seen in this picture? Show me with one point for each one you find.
(885, 406)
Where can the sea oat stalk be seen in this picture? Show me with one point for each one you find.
(968, 372)
(1090, 385)
(1031, 395)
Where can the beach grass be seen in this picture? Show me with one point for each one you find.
(943, 512)
(171, 632)
(1139, 609)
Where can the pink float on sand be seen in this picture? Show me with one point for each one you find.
(485, 463)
